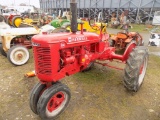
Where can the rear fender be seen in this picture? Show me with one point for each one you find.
(128, 40)
(115, 38)
(6, 42)
(128, 50)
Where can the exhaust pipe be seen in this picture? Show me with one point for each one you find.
(73, 9)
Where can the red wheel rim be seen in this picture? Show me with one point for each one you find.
(141, 68)
(142, 71)
(55, 101)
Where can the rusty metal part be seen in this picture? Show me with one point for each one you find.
(30, 74)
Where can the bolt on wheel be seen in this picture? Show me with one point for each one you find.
(53, 101)
(18, 55)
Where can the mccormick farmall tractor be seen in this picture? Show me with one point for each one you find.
(63, 54)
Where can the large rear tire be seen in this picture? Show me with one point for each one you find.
(53, 101)
(89, 67)
(18, 55)
(135, 69)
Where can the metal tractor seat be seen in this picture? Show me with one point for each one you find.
(121, 35)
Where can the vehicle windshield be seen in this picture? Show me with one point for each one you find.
(9, 10)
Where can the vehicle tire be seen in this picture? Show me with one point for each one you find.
(53, 101)
(135, 69)
(35, 94)
(8, 21)
(89, 67)
(2, 18)
(18, 55)
(2, 51)
(16, 21)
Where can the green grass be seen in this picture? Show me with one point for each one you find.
(139, 28)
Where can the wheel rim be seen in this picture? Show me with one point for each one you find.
(17, 22)
(19, 57)
(56, 103)
(142, 71)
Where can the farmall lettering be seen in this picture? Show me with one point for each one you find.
(76, 39)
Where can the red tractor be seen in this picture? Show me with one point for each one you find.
(121, 40)
(63, 54)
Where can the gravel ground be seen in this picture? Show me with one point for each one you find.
(96, 95)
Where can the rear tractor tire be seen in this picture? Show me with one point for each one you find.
(135, 69)
(89, 67)
(18, 55)
(53, 101)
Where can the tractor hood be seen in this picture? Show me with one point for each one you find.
(18, 31)
(67, 38)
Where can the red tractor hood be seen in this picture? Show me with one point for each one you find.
(67, 38)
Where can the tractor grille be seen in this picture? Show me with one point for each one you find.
(43, 60)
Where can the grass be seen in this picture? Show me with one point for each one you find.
(139, 28)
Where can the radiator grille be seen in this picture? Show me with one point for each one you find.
(43, 60)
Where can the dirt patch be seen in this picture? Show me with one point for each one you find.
(96, 95)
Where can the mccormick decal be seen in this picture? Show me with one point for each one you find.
(75, 39)
(35, 44)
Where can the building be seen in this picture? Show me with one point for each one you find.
(139, 10)
(20, 9)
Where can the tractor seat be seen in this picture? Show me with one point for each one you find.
(132, 34)
(121, 35)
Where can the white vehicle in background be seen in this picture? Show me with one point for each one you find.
(10, 11)
(156, 18)
(19, 9)
(15, 42)
(154, 39)
(155, 32)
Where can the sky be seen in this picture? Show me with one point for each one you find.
(17, 2)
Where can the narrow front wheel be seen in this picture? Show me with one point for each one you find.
(36, 92)
(53, 101)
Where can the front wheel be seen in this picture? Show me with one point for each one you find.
(36, 92)
(53, 101)
(16, 21)
(135, 69)
(18, 55)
